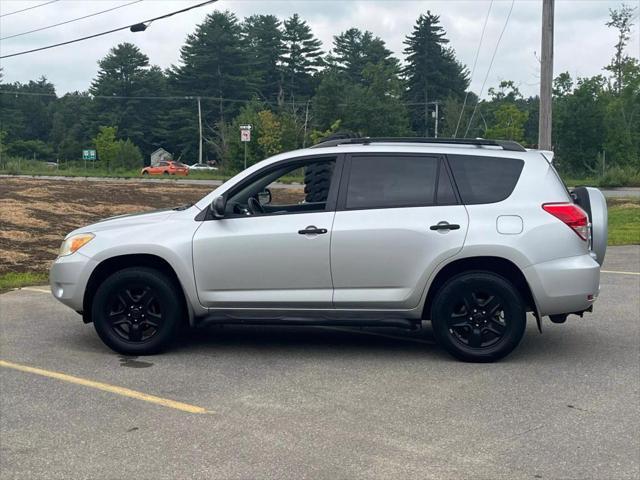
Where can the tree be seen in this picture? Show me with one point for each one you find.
(509, 123)
(621, 20)
(24, 116)
(263, 38)
(214, 62)
(125, 72)
(578, 127)
(71, 125)
(270, 133)
(107, 146)
(372, 108)
(116, 154)
(432, 70)
(354, 50)
(303, 57)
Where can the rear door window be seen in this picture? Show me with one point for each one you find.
(484, 179)
(387, 181)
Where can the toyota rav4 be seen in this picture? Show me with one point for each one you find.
(467, 234)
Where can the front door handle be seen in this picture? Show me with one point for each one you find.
(312, 230)
(445, 226)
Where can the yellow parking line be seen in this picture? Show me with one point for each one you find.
(125, 392)
(619, 273)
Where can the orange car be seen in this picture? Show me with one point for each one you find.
(166, 168)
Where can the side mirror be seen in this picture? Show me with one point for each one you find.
(219, 206)
(265, 197)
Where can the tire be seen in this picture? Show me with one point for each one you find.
(128, 303)
(463, 322)
(145, 172)
(165, 173)
(317, 179)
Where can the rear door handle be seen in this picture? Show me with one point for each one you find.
(445, 226)
(312, 230)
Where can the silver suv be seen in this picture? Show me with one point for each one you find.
(469, 234)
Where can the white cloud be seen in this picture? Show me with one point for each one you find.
(583, 44)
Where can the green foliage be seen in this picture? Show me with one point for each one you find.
(116, 154)
(263, 38)
(318, 135)
(302, 58)
(509, 123)
(36, 149)
(362, 88)
(270, 138)
(432, 70)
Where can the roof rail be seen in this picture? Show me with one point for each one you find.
(478, 142)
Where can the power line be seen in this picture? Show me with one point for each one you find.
(147, 97)
(473, 69)
(495, 51)
(109, 31)
(190, 96)
(29, 8)
(70, 21)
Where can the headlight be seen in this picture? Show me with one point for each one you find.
(74, 242)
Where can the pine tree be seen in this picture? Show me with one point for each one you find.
(353, 50)
(125, 72)
(303, 57)
(263, 38)
(432, 71)
(214, 62)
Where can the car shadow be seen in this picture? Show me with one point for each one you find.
(316, 340)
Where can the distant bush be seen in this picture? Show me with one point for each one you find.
(621, 177)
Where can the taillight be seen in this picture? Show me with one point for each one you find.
(572, 215)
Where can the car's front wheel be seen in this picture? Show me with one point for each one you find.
(136, 311)
(478, 317)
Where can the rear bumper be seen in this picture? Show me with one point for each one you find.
(564, 285)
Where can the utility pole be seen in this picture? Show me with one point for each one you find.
(200, 127)
(546, 76)
(437, 115)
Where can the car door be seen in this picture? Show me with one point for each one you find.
(398, 217)
(275, 259)
(157, 169)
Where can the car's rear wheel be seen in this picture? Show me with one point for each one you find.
(146, 172)
(136, 311)
(165, 173)
(478, 317)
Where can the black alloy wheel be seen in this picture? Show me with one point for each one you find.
(137, 311)
(134, 313)
(478, 319)
(478, 316)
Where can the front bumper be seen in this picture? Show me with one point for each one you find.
(68, 279)
(564, 285)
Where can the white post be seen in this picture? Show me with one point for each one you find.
(436, 131)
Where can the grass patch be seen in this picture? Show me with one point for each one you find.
(624, 222)
(16, 280)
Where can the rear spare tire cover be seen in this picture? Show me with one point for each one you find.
(599, 223)
(592, 201)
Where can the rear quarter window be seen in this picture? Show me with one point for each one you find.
(484, 179)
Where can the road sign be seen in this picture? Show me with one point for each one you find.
(245, 133)
(88, 154)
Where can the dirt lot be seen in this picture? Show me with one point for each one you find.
(36, 214)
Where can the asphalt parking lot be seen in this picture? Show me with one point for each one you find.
(323, 403)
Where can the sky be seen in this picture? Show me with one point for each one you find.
(583, 44)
